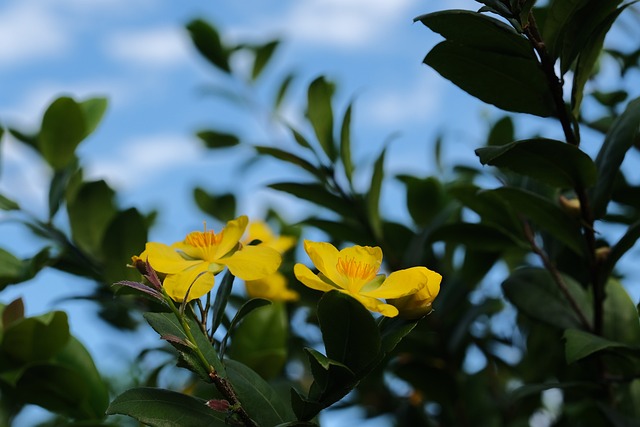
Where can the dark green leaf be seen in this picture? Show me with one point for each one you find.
(318, 194)
(345, 144)
(393, 330)
(63, 128)
(222, 298)
(214, 139)
(282, 90)
(262, 56)
(12, 312)
(14, 270)
(219, 206)
(618, 141)
(164, 408)
(508, 82)
(58, 187)
(349, 332)
(478, 31)
(207, 40)
(125, 236)
(8, 204)
(501, 133)
(559, 14)
(291, 158)
(529, 389)
(258, 398)
(332, 380)
(320, 114)
(626, 242)
(481, 237)
(553, 162)
(93, 110)
(349, 231)
(373, 196)
(545, 215)
(580, 344)
(426, 198)
(498, 6)
(36, 338)
(244, 310)
(260, 341)
(90, 213)
(621, 323)
(534, 293)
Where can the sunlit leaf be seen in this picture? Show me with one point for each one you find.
(621, 321)
(93, 110)
(63, 128)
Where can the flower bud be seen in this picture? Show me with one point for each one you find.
(570, 206)
(417, 305)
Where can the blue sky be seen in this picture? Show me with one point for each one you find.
(137, 53)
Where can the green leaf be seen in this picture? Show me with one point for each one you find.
(35, 339)
(58, 187)
(221, 300)
(545, 215)
(63, 128)
(552, 162)
(245, 309)
(345, 143)
(534, 293)
(535, 389)
(559, 14)
(509, 82)
(11, 313)
(373, 196)
(125, 236)
(263, 54)
(501, 133)
(621, 321)
(626, 242)
(282, 90)
(291, 158)
(260, 341)
(207, 40)
(580, 344)
(349, 332)
(317, 194)
(478, 31)
(90, 213)
(215, 139)
(219, 206)
(14, 270)
(93, 110)
(258, 398)
(332, 381)
(393, 330)
(426, 198)
(8, 204)
(618, 141)
(320, 114)
(164, 408)
(481, 237)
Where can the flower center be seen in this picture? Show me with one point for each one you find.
(203, 239)
(356, 269)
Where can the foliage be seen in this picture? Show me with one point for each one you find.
(544, 233)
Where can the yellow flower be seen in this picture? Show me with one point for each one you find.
(190, 265)
(274, 286)
(419, 304)
(354, 271)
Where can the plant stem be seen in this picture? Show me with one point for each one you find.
(563, 115)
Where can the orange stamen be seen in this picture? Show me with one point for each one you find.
(356, 269)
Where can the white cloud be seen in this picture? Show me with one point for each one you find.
(341, 23)
(28, 31)
(155, 47)
(141, 160)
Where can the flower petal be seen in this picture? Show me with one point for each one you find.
(369, 255)
(165, 259)
(177, 285)
(273, 287)
(252, 262)
(401, 283)
(231, 235)
(373, 304)
(310, 280)
(325, 257)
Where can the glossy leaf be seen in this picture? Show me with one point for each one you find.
(207, 40)
(221, 300)
(618, 141)
(258, 398)
(63, 128)
(90, 212)
(164, 408)
(534, 293)
(544, 215)
(580, 344)
(349, 332)
(215, 139)
(509, 82)
(550, 161)
(621, 321)
(263, 54)
(320, 114)
(219, 206)
(34, 339)
(479, 31)
(260, 341)
(316, 193)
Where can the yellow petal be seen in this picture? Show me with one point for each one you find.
(231, 235)
(259, 230)
(252, 262)
(401, 283)
(283, 243)
(373, 304)
(310, 280)
(369, 255)
(273, 287)
(325, 257)
(197, 277)
(165, 259)
(193, 252)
